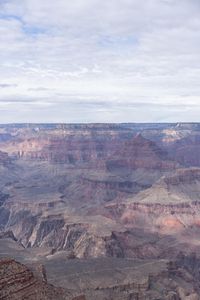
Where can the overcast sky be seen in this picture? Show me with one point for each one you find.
(99, 60)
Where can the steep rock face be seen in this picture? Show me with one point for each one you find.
(18, 282)
(82, 240)
(114, 149)
(28, 148)
(71, 146)
(92, 246)
(140, 153)
(68, 150)
(77, 240)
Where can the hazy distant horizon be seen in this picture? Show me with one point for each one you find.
(97, 123)
(87, 61)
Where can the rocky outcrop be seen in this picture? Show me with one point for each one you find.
(109, 147)
(77, 240)
(18, 282)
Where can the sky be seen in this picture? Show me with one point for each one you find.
(99, 61)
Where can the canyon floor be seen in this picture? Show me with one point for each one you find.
(100, 211)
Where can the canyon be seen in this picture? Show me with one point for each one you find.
(112, 211)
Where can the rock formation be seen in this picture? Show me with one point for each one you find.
(17, 281)
(101, 191)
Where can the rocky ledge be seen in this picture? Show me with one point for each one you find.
(19, 282)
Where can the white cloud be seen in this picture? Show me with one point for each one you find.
(61, 53)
